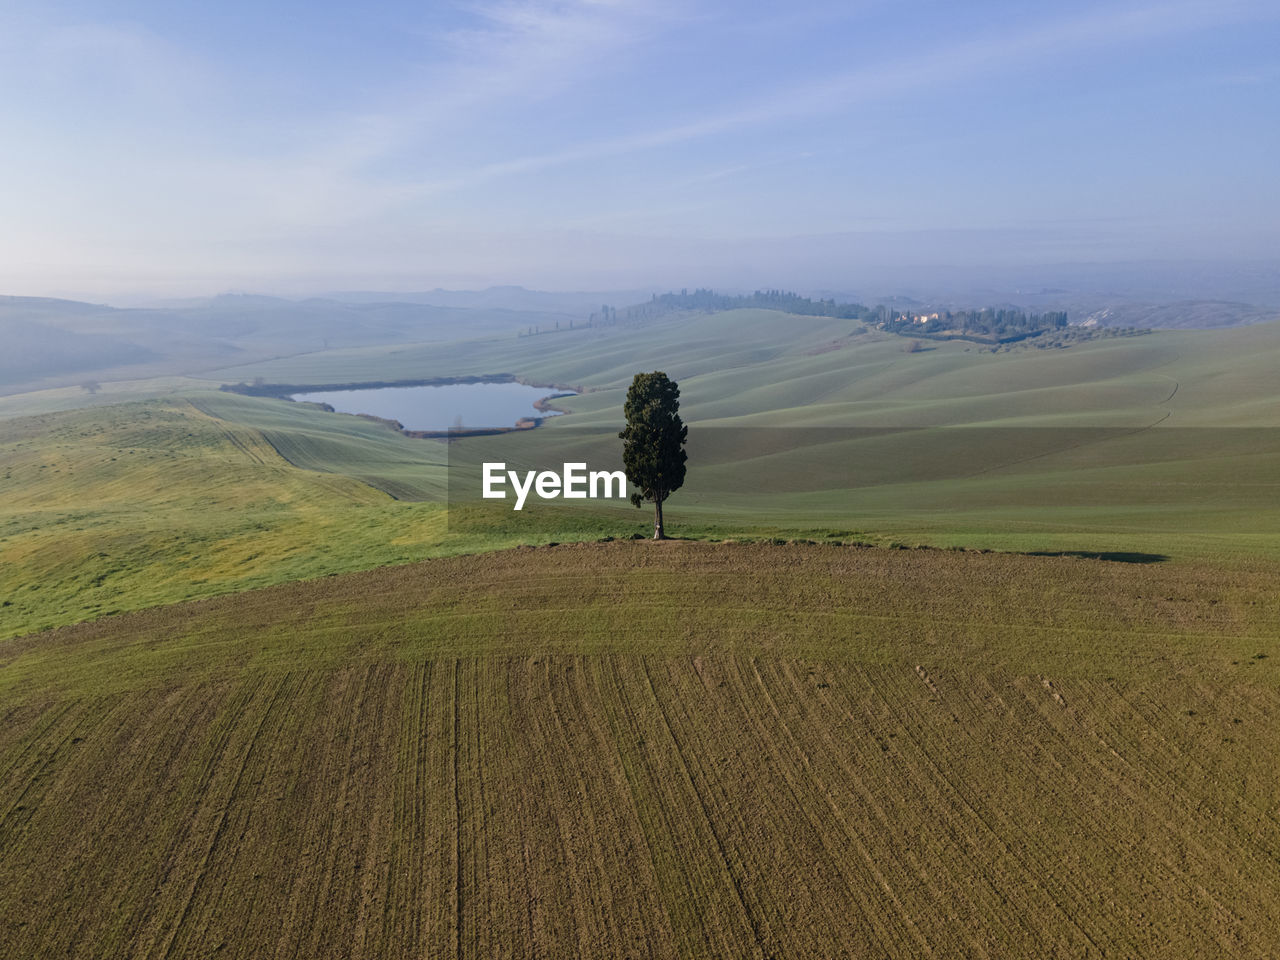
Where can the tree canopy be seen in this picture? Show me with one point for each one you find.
(653, 441)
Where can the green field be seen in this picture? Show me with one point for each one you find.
(275, 683)
(665, 750)
(1163, 444)
(142, 504)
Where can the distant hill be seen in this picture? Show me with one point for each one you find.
(1181, 315)
(36, 350)
(52, 342)
(16, 308)
(579, 304)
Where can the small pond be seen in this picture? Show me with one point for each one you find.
(474, 405)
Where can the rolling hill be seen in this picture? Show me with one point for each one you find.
(55, 343)
(271, 685)
(1164, 444)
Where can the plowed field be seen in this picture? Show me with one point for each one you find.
(656, 750)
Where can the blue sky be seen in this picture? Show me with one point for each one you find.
(299, 147)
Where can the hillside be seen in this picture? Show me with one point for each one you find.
(1184, 314)
(138, 504)
(34, 350)
(662, 750)
(1164, 444)
(59, 343)
(764, 362)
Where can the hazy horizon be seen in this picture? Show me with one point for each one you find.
(629, 144)
(1255, 282)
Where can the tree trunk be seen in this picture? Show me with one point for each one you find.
(657, 520)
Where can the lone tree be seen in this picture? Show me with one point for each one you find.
(653, 442)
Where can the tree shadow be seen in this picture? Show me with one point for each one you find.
(1111, 556)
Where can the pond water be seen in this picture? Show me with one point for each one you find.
(474, 405)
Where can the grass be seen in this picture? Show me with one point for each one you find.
(669, 750)
(816, 371)
(150, 503)
(135, 504)
(144, 504)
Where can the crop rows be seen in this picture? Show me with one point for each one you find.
(641, 806)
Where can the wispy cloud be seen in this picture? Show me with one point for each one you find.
(514, 51)
(533, 51)
(905, 73)
(523, 117)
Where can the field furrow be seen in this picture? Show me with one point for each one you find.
(472, 775)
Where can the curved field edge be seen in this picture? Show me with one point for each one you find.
(668, 750)
(679, 597)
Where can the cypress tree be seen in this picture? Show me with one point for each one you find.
(653, 442)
